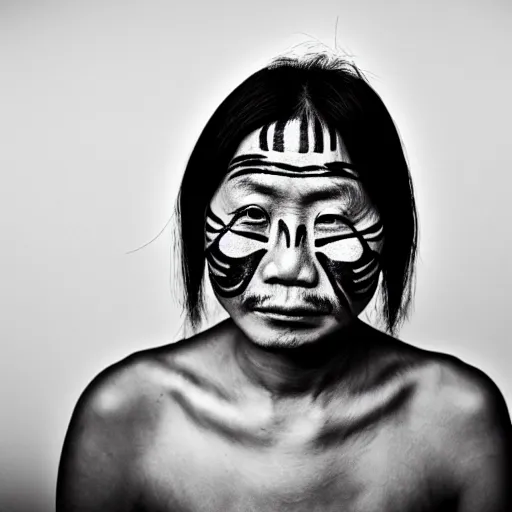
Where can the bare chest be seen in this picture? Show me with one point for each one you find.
(371, 470)
(363, 452)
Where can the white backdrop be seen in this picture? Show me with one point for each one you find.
(100, 105)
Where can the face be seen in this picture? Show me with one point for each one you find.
(292, 239)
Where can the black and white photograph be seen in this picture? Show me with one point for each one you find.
(255, 256)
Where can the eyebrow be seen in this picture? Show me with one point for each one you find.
(259, 164)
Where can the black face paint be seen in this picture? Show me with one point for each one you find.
(278, 142)
(263, 138)
(300, 235)
(235, 249)
(372, 233)
(319, 136)
(265, 166)
(243, 158)
(304, 139)
(353, 281)
(333, 138)
(282, 230)
(279, 136)
(230, 276)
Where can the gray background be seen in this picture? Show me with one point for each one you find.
(100, 105)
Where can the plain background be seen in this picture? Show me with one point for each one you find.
(100, 105)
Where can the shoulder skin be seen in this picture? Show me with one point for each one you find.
(113, 422)
(107, 435)
(467, 427)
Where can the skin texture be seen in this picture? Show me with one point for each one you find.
(292, 404)
(291, 227)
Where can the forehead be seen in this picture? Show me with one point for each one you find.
(283, 159)
(301, 142)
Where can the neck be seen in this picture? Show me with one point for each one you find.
(293, 371)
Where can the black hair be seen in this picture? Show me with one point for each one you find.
(338, 93)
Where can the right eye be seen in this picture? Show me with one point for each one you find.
(253, 216)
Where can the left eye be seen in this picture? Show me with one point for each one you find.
(329, 220)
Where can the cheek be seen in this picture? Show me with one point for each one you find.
(353, 282)
(344, 250)
(236, 246)
(232, 261)
(353, 266)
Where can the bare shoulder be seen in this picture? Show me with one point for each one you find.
(462, 417)
(458, 425)
(105, 437)
(444, 383)
(454, 400)
(461, 393)
(114, 422)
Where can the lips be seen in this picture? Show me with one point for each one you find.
(298, 311)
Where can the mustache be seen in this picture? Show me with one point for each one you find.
(322, 304)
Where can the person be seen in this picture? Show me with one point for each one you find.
(298, 199)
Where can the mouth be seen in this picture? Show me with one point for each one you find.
(293, 314)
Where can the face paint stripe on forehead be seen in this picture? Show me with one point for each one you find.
(278, 144)
(304, 136)
(263, 137)
(333, 138)
(248, 162)
(342, 167)
(293, 135)
(242, 158)
(319, 136)
(331, 169)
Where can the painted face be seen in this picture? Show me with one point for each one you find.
(292, 240)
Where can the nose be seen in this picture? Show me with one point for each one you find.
(290, 259)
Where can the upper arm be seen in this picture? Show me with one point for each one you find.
(484, 466)
(96, 467)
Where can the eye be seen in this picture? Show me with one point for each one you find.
(330, 222)
(328, 219)
(253, 216)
